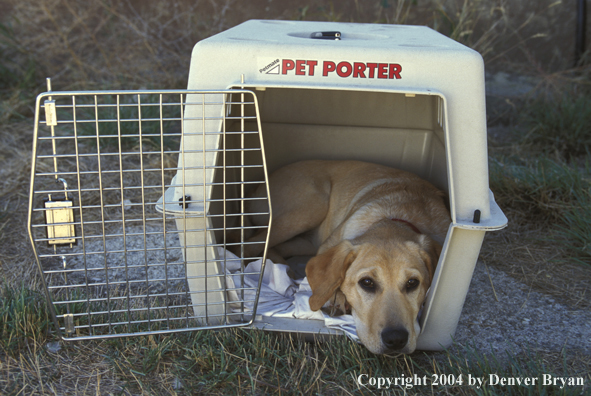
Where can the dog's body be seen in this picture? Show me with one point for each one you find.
(375, 233)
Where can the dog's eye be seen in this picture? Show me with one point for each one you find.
(367, 284)
(412, 284)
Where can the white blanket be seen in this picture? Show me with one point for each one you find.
(280, 295)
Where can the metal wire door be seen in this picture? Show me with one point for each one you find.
(136, 200)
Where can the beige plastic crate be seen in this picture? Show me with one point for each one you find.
(403, 96)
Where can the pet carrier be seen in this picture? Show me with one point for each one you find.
(138, 198)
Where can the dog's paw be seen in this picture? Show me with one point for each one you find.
(337, 305)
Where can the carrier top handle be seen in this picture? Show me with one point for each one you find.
(326, 35)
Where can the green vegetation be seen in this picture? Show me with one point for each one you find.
(547, 178)
(550, 193)
(153, 116)
(560, 126)
(240, 361)
(24, 318)
(18, 79)
(542, 188)
(577, 228)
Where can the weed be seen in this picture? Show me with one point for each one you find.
(543, 188)
(550, 193)
(397, 13)
(492, 368)
(24, 318)
(125, 120)
(576, 230)
(560, 126)
(18, 76)
(255, 362)
(477, 24)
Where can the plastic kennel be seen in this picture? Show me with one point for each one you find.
(152, 185)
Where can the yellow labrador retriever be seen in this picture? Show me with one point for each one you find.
(375, 233)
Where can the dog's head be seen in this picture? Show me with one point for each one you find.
(384, 275)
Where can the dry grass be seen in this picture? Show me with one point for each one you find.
(134, 44)
(250, 362)
(114, 43)
(45, 370)
(523, 252)
(16, 258)
(538, 193)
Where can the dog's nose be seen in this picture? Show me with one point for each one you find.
(394, 338)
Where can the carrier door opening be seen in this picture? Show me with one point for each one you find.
(393, 129)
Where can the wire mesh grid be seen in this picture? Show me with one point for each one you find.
(135, 199)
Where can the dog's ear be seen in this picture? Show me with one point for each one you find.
(430, 252)
(326, 272)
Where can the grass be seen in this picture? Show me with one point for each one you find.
(543, 188)
(134, 45)
(577, 228)
(560, 125)
(24, 318)
(130, 111)
(251, 362)
(552, 185)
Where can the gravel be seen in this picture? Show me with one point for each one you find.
(140, 261)
(503, 315)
